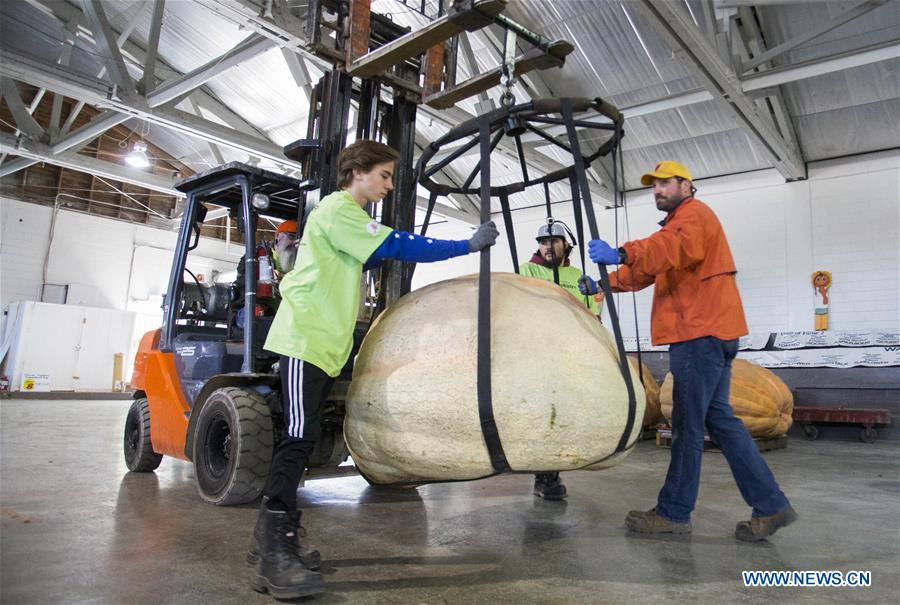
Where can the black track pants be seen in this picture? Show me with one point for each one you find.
(304, 388)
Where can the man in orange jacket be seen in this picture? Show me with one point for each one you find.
(697, 311)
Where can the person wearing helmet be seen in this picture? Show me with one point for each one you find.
(697, 311)
(282, 253)
(555, 245)
(554, 248)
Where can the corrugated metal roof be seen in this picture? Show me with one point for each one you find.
(618, 56)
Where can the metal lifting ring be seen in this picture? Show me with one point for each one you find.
(514, 121)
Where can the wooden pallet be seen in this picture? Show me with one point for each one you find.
(664, 439)
(648, 433)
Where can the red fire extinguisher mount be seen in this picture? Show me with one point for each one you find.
(265, 276)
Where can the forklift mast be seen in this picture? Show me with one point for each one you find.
(388, 70)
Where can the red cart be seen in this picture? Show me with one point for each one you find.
(867, 417)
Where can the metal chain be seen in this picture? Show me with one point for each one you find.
(508, 74)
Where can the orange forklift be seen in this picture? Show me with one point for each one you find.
(206, 390)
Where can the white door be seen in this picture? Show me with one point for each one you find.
(105, 333)
(49, 343)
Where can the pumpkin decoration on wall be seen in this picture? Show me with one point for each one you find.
(821, 281)
(759, 398)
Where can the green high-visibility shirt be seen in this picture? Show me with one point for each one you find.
(320, 297)
(568, 279)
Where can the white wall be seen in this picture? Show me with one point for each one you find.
(121, 261)
(844, 219)
(126, 266)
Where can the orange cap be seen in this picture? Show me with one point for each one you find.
(287, 226)
(666, 170)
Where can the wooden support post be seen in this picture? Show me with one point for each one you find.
(415, 43)
(434, 70)
(360, 23)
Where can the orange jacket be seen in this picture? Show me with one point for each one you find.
(689, 260)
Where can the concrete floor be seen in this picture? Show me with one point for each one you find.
(77, 528)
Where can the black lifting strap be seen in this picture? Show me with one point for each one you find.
(615, 171)
(431, 201)
(578, 160)
(579, 226)
(510, 234)
(550, 233)
(485, 401)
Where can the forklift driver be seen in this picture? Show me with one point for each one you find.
(280, 256)
(313, 333)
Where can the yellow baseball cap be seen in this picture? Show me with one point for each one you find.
(666, 170)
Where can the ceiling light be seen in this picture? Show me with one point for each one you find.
(138, 156)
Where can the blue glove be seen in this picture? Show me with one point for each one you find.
(602, 253)
(587, 286)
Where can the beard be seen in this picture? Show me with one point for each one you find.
(287, 255)
(667, 202)
(554, 260)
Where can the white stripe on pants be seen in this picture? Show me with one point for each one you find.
(296, 419)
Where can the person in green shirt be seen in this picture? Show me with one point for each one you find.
(553, 252)
(313, 333)
(554, 248)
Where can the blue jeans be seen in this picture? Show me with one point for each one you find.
(701, 369)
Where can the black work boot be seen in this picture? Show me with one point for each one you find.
(279, 570)
(549, 486)
(311, 559)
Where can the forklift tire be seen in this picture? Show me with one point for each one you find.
(232, 446)
(139, 454)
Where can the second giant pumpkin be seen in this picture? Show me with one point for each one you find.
(759, 398)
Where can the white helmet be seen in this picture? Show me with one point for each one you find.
(555, 229)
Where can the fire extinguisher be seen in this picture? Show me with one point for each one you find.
(265, 275)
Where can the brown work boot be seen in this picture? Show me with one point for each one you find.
(760, 528)
(649, 522)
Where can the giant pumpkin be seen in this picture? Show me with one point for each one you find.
(559, 399)
(759, 398)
